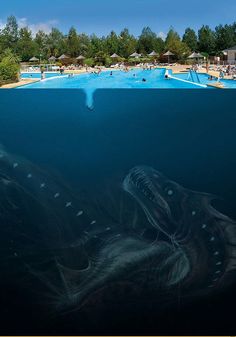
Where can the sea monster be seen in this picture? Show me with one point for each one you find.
(192, 246)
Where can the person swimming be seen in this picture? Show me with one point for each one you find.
(144, 80)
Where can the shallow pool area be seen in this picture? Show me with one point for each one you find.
(26, 75)
(204, 79)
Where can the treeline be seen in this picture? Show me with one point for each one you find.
(24, 45)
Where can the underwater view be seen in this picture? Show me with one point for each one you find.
(119, 219)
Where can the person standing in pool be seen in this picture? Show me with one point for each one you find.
(42, 74)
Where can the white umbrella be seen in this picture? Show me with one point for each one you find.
(135, 55)
(81, 57)
(153, 53)
(63, 57)
(34, 59)
(52, 58)
(114, 56)
(196, 56)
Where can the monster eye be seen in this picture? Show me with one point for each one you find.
(169, 190)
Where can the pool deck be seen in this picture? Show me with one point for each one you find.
(19, 84)
(178, 69)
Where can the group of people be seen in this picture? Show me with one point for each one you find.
(225, 71)
(196, 67)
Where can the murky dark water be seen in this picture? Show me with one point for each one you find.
(82, 253)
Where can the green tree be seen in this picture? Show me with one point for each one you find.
(26, 46)
(190, 38)
(10, 34)
(112, 43)
(225, 36)
(72, 43)
(84, 43)
(171, 36)
(176, 46)
(207, 41)
(127, 44)
(96, 45)
(148, 41)
(56, 43)
(41, 45)
(101, 58)
(9, 66)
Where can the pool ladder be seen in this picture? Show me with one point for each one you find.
(191, 76)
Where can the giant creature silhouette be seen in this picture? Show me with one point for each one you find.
(169, 241)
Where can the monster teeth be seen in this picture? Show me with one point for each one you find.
(140, 180)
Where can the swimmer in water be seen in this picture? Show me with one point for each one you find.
(144, 80)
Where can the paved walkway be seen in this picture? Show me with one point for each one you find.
(19, 84)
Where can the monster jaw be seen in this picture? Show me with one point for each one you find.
(141, 186)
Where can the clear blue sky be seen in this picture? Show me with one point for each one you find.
(101, 16)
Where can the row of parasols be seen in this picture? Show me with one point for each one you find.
(53, 58)
(115, 56)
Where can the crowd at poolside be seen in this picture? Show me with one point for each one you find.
(215, 71)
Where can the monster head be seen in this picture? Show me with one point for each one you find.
(160, 198)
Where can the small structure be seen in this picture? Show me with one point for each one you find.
(136, 55)
(52, 59)
(80, 58)
(153, 54)
(231, 55)
(34, 59)
(63, 57)
(196, 56)
(114, 56)
(168, 54)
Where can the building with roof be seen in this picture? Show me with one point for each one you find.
(230, 55)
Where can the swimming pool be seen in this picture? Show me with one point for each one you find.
(133, 79)
(119, 79)
(38, 75)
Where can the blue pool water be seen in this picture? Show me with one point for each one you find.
(119, 79)
(204, 79)
(38, 75)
